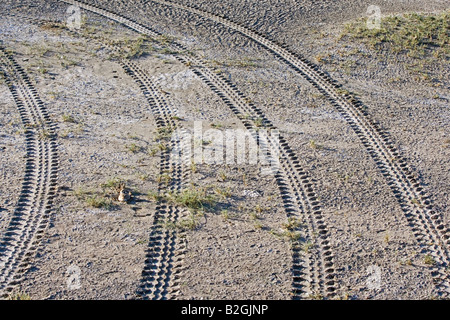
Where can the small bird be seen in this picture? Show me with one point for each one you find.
(124, 194)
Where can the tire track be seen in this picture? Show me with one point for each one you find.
(20, 240)
(426, 224)
(163, 265)
(313, 272)
(162, 269)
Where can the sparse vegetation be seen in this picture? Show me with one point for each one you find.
(289, 231)
(222, 176)
(68, 118)
(188, 223)
(159, 147)
(44, 134)
(216, 125)
(314, 145)
(19, 296)
(254, 215)
(163, 133)
(224, 193)
(99, 202)
(2, 77)
(258, 225)
(164, 178)
(429, 260)
(177, 118)
(342, 92)
(138, 48)
(292, 235)
(259, 209)
(143, 176)
(101, 197)
(291, 224)
(406, 262)
(424, 38)
(225, 215)
(414, 34)
(154, 195)
(193, 198)
(193, 166)
(112, 183)
(42, 70)
(316, 296)
(259, 122)
(66, 63)
(307, 246)
(322, 58)
(134, 148)
(53, 26)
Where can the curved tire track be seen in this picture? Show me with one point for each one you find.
(426, 224)
(163, 265)
(313, 272)
(166, 247)
(30, 219)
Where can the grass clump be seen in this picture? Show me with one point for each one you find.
(133, 148)
(428, 259)
(97, 201)
(314, 145)
(19, 296)
(290, 230)
(164, 178)
(154, 195)
(188, 223)
(224, 193)
(138, 48)
(164, 133)
(53, 26)
(307, 246)
(291, 224)
(68, 118)
(103, 198)
(112, 183)
(290, 235)
(417, 35)
(195, 198)
(44, 134)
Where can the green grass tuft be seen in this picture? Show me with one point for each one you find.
(417, 35)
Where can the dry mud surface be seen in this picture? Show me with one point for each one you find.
(359, 208)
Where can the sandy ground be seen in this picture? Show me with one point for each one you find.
(106, 132)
